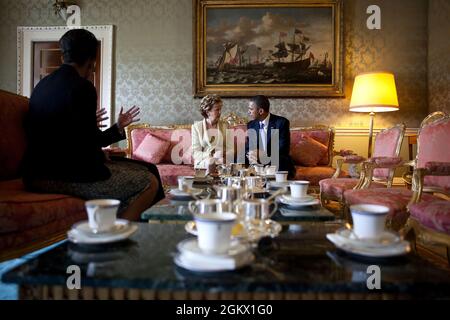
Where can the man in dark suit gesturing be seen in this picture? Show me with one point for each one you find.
(268, 140)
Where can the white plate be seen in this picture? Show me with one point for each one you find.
(298, 204)
(189, 247)
(387, 238)
(77, 236)
(191, 192)
(291, 199)
(120, 226)
(199, 265)
(398, 249)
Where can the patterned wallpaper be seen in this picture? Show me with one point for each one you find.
(153, 58)
(439, 55)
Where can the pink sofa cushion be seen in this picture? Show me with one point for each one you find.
(174, 136)
(308, 152)
(322, 136)
(337, 187)
(152, 149)
(315, 174)
(13, 109)
(170, 172)
(21, 210)
(433, 214)
(431, 140)
(385, 146)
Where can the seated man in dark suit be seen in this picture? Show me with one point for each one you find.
(64, 153)
(266, 132)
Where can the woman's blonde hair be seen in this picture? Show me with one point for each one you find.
(208, 103)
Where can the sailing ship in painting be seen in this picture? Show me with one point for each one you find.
(290, 62)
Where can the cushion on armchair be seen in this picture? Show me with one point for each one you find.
(152, 149)
(432, 214)
(319, 135)
(308, 152)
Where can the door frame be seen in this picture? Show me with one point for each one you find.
(27, 35)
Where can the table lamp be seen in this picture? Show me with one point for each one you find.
(374, 92)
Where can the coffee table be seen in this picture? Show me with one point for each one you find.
(299, 264)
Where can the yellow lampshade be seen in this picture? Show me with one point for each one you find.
(374, 92)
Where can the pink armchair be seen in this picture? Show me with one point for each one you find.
(429, 221)
(433, 135)
(387, 147)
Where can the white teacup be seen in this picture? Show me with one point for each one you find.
(299, 188)
(214, 231)
(185, 182)
(102, 214)
(281, 176)
(368, 220)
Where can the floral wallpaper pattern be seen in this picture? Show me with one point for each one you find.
(154, 58)
(439, 55)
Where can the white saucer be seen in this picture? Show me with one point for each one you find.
(291, 199)
(313, 201)
(192, 258)
(119, 227)
(387, 238)
(189, 247)
(189, 193)
(79, 235)
(363, 249)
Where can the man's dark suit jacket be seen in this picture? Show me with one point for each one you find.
(64, 142)
(282, 124)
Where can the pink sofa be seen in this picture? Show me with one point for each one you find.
(170, 170)
(27, 220)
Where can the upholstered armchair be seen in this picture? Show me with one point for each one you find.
(387, 148)
(434, 133)
(429, 221)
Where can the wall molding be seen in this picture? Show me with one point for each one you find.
(27, 35)
(346, 131)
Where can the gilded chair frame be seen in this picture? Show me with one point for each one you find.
(414, 230)
(366, 176)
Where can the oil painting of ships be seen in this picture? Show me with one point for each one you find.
(291, 61)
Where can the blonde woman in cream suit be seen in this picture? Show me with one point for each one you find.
(208, 135)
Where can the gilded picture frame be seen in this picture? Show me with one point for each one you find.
(276, 48)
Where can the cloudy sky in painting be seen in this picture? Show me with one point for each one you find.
(254, 28)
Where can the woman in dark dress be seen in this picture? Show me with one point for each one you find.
(64, 153)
